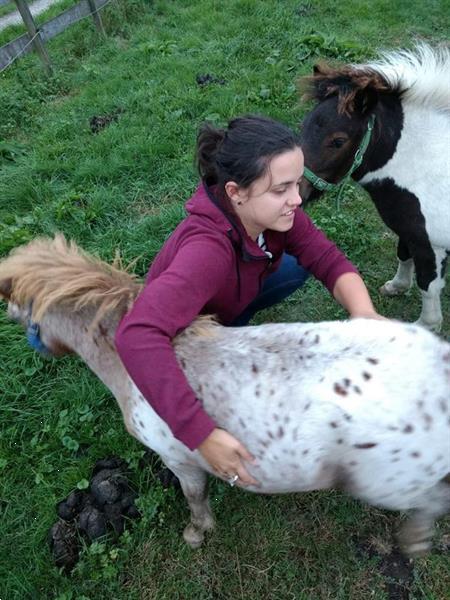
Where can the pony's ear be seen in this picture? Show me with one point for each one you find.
(366, 100)
(319, 85)
(5, 288)
(317, 70)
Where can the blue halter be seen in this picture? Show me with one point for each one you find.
(33, 333)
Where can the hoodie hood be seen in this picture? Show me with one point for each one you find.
(206, 203)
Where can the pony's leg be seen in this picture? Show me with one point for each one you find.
(403, 279)
(416, 535)
(194, 483)
(431, 315)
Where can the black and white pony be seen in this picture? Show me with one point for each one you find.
(387, 125)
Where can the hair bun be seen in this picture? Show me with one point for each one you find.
(209, 141)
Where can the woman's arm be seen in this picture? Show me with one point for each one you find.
(351, 292)
(166, 306)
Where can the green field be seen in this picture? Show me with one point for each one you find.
(124, 188)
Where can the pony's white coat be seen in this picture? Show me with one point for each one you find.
(423, 155)
(362, 405)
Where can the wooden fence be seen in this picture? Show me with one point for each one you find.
(36, 37)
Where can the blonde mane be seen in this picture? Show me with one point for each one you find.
(50, 272)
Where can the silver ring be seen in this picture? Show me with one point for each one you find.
(233, 480)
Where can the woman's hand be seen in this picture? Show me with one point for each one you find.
(225, 455)
(369, 315)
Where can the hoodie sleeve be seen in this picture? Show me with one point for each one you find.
(165, 307)
(316, 252)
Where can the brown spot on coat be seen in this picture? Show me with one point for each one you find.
(365, 446)
(333, 424)
(366, 375)
(428, 420)
(373, 361)
(408, 429)
(338, 389)
(255, 368)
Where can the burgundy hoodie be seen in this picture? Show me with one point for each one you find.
(209, 265)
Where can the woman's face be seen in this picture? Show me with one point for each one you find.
(270, 201)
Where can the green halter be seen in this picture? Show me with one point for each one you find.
(324, 186)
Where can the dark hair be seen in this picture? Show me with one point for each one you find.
(241, 152)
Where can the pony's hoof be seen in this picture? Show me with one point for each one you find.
(392, 289)
(417, 550)
(415, 540)
(193, 537)
(434, 326)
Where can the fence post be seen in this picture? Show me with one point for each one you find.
(96, 16)
(39, 46)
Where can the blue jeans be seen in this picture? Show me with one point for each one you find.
(279, 285)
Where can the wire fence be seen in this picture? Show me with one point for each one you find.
(36, 37)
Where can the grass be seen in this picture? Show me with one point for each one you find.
(125, 188)
(6, 9)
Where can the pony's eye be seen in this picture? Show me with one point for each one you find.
(337, 142)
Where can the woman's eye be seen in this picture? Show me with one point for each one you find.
(279, 192)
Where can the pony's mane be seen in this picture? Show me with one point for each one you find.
(50, 272)
(421, 75)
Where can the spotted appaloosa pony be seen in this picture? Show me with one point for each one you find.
(361, 405)
(406, 167)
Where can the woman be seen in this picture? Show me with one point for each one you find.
(244, 245)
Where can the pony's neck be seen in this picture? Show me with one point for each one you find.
(96, 348)
(387, 131)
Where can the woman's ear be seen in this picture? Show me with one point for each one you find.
(234, 192)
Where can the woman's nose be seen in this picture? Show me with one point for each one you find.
(296, 199)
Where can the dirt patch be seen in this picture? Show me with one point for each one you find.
(99, 122)
(396, 569)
